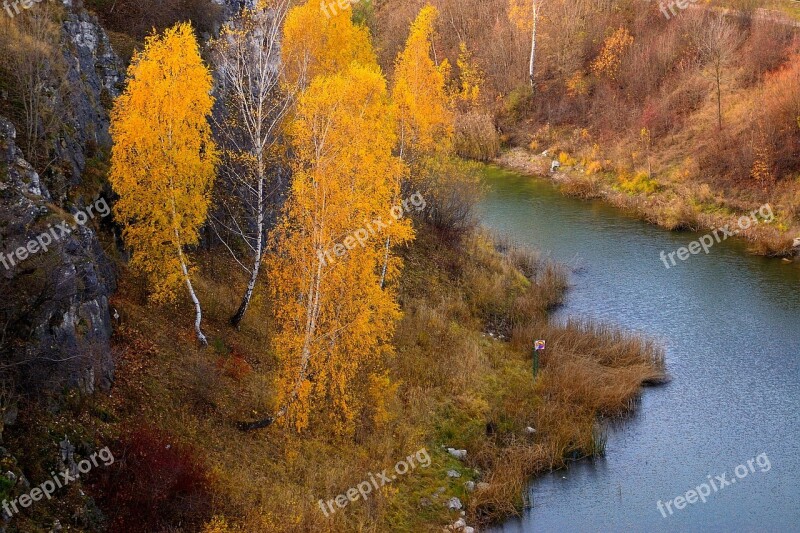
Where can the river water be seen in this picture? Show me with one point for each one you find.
(730, 323)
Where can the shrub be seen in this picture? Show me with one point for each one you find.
(154, 484)
(452, 190)
(517, 102)
(640, 183)
(476, 137)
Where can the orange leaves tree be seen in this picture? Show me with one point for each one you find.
(164, 160)
(425, 120)
(609, 61)
(334, 319)
(419, 94)
(315, 44)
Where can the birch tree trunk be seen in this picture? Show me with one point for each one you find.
(248, 57)
(198, 316)
(532, 64)
(198, 311)
(259, 251)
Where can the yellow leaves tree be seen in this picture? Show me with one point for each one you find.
(334, 320)
(610, 58)
(319, 43)
(470, 76)
(761, 170)
(164, 160)
(425, 119)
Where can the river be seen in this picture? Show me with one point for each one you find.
(730, 323)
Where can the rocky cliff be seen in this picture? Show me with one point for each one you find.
(55, 278)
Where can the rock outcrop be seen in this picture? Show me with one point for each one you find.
(94, 77)
(54, 317)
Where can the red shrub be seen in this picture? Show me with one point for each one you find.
(154, 484)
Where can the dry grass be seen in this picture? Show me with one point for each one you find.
(462, 367)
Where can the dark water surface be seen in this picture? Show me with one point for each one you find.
(730, 323)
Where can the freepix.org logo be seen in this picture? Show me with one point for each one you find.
(15, 7)
(53, 234)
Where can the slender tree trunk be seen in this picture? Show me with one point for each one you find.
(198, 317)
(312, 313)
(236, 319)
(385, 263)
(719, 103)
(533, 42)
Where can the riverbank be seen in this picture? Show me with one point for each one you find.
(461, 379)
(670, 205)
(730, 324)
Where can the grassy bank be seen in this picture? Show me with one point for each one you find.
(462, 375)
(671, 204)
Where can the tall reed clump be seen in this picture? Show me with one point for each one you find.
(476, 136)
(588, 372)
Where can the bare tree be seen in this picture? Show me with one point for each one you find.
(30, 56)
(248, 62)
(717, 46)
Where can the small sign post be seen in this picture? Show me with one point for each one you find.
(537, 346)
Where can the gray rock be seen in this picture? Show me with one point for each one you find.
(94, 77)
(58, 297)
(469, 486)
(453, 473)
(454, 503)
(458, 454)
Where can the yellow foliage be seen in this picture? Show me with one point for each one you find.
(577, 84)
(566, 160)
(471, 76)
(761, 171)
(316, 44)
(610, 58)
(218, 524)
(519, 14)
(593, 167)
(425, 120)
(334, 321)
(164, 158)
(640, 183)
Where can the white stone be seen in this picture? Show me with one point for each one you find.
(454, 503)
(458, 454)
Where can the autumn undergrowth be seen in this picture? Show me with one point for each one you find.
(463, 377)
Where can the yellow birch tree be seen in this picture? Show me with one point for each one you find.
(419, 94)
(164, 160)
(333, 318)
(317, 43)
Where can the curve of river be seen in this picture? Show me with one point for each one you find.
(730, 323)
